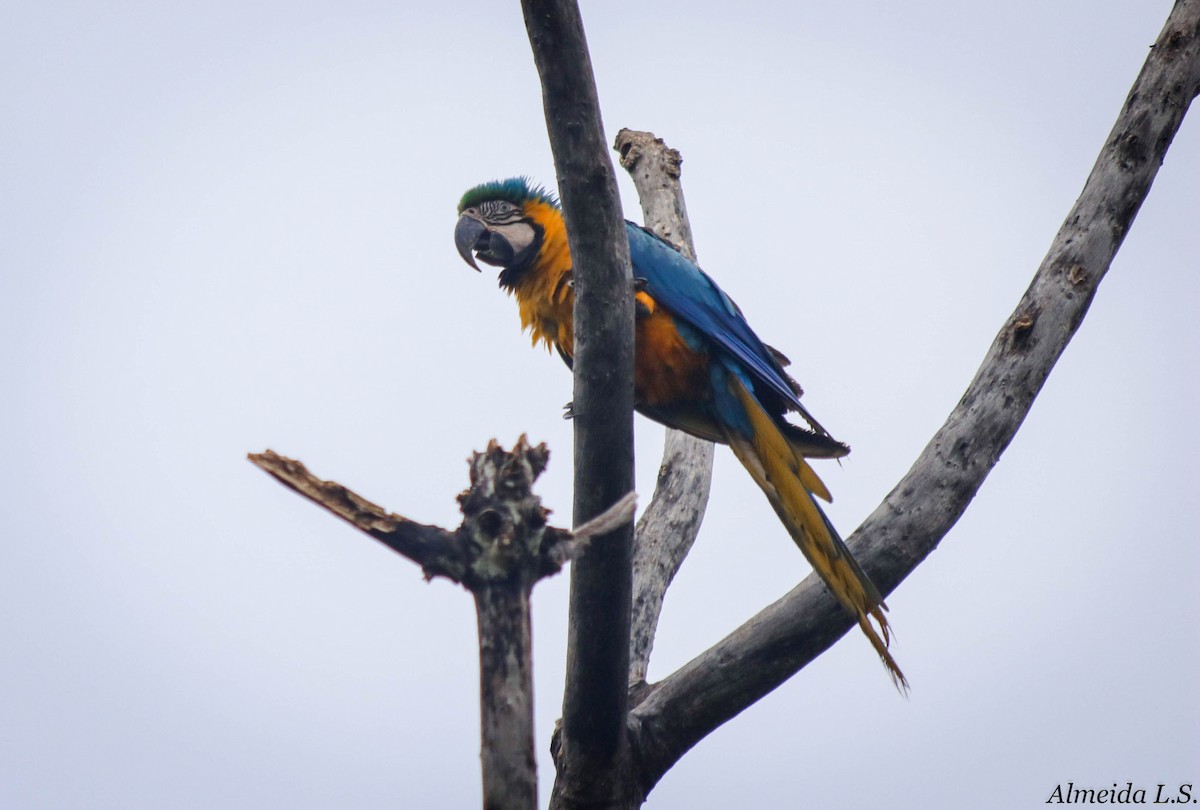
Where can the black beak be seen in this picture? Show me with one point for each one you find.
(466, 237)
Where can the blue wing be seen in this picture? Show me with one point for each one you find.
(690, 295)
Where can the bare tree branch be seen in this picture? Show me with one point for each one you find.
(925, 504)
(669, 525)
(501, 549)
(594, 747)
(506, 698)
(434, 549)
(616, 516)
(656, 170)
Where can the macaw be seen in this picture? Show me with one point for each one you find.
(698, 367)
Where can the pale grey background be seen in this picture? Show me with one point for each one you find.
(227, 226)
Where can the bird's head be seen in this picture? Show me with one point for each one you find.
(504, 223)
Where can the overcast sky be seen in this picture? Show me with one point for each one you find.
(228, 226)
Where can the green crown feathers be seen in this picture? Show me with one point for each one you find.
(516, 190)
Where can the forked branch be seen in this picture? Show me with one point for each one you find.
(714, 687)
(501, 549)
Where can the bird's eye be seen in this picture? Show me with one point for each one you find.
(496, 210)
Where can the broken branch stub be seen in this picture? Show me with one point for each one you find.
(504, 536)
(502, 547)
(504, 533)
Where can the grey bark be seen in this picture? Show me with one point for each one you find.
(433, 548)
(506, 698)
(914, 517)
(593, 749)
(501, 549)
(669, 525)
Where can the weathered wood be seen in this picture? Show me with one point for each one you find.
(506, 698)
(501, 549)
(434, 549)
(925, 504)
(594, 749)
(669, 524)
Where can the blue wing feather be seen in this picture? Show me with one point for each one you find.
(689, 294)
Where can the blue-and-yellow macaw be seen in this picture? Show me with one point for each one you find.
(698, 367)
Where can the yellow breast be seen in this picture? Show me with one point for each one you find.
(544, 296)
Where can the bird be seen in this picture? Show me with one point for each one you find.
(698, 367)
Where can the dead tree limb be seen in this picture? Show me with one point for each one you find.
(757, 657)
(501, 549)
(670, 522)
(593, 750)
(431, 547)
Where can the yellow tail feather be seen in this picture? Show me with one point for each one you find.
(808, 477)
(789, 484)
